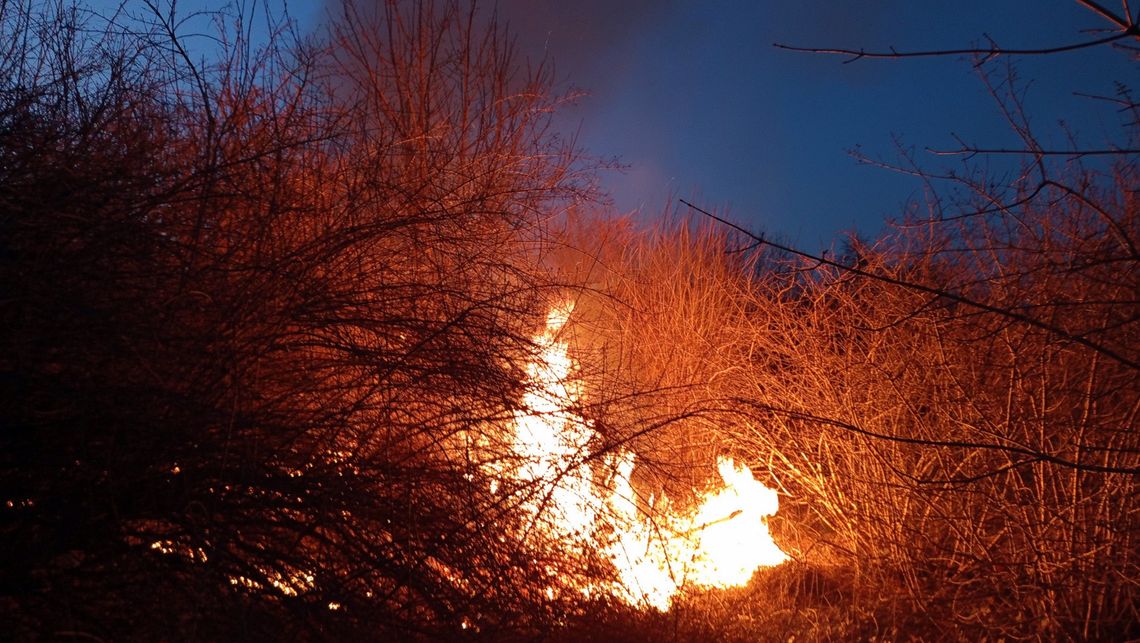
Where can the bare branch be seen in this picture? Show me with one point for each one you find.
(822, 260)
(1033, 454)
(1108, 14)
(986, 53)
(971, 151)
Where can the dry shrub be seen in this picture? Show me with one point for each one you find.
(653, 333)
(954, 439)
(977, 469)
(259, 318)
(252, 311)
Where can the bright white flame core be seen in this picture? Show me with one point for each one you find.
(551, 443)
(718, 544)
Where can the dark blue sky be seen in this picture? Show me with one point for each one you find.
(694, 99)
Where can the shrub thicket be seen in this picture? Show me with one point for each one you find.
(252, 310)
(264, 325)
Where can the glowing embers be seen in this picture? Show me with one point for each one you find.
(717, 544)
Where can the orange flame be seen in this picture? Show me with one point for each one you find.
(720, 543)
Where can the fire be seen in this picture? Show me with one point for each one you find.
(551, 443)
(719, 543)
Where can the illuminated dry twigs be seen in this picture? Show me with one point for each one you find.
(332, 338)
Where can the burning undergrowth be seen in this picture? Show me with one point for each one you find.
(586, 502)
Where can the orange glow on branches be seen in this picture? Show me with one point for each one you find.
(719, 543)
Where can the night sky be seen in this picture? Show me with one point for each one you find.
(700, 105)
(693, 98)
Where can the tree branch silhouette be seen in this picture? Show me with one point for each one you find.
(985, 53)
(822, 260)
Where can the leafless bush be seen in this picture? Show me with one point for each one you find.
(253, 309)
(951, 410)
(265, 322)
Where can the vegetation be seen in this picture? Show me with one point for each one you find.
(250, 309)
(264, 322)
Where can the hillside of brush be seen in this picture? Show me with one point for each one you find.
(267, 315)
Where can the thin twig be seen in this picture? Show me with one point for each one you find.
(1107, 14)
(971, 151)
(1004, 312)
(987, 53)
(1033, 454)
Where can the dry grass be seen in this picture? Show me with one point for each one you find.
(960, 470)
(265, 310)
